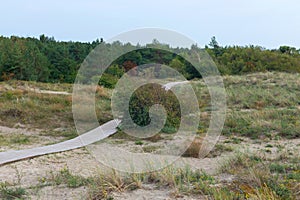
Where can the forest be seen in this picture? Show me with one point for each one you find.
(44, 59)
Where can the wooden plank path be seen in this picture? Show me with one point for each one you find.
(85, 139)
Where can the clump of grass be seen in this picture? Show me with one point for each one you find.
(295, 175)
(219, 149)
(259, 179)
(234, 140)
(66, 134)
(103, 184)
(179, 180)
(278, 168)
(238, 161)
(13, 139)
(150, 148)
(9, 193)
(20, 139)
(139, 142)
(64, 176)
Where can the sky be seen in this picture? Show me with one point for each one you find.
(267, 23)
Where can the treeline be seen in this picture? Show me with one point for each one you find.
(42, 59)
(239, 60)
(47, 60)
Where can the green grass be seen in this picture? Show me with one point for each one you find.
(66, 134)
(260, 105)
(262, 179)
(19, 104)
(252, 181)
(139, 142)
(277, 168)
(150, 148)
(15, 139)
(64, 176)
(234, 140)
(183, 181)
(220, 149)
(263, 123)
(9, 193)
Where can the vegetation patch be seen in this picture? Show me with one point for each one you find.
(16, 139)
(64, 176)
(9, 192)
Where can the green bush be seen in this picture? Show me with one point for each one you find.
(149, 95)
(278, 168)
(108, 80)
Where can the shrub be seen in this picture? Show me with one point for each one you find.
(144, 98)
(108, 80)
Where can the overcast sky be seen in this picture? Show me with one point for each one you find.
(268, 23)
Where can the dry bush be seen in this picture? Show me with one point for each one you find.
(102, 92)
(194, 148)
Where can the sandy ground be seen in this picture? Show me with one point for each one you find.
(28, 173)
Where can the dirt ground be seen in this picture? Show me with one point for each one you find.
(28, 173)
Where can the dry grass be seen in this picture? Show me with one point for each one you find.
(261, 105)
(258, 178)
